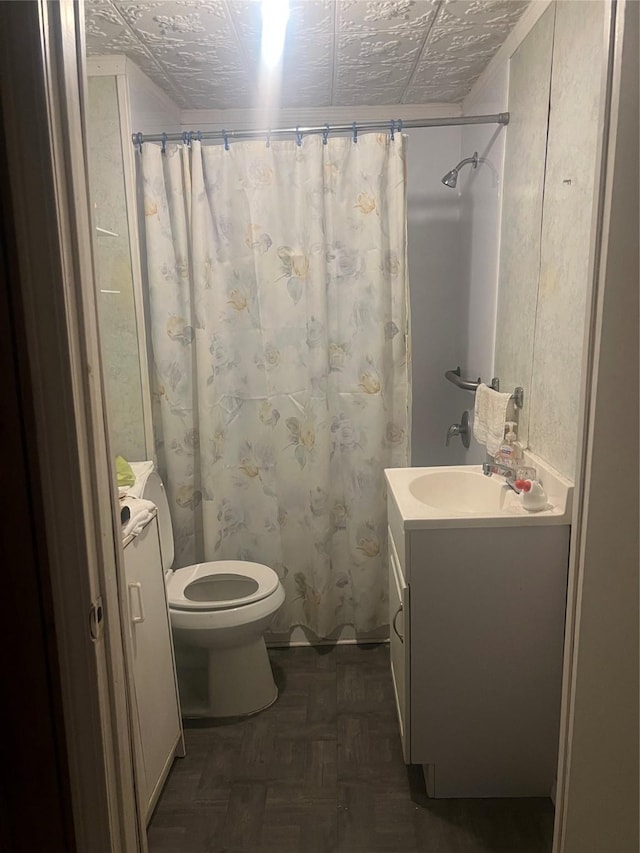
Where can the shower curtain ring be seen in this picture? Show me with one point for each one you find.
(399, 125)
(325, 134)
(164, 143)
(268, 142)
(393, 129)
(355, 132)
(298, 136)
(226, 139)
(139, 141)
(199, 135)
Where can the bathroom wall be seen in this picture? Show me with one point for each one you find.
(482, 192)
(547, 214)
(150, 109)
(439, 294)
(575, 127)
(122, 99)
(524, 172)
(117, 314)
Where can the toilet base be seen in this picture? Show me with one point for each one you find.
(240, 681)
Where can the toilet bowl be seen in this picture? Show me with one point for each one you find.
(223, 606)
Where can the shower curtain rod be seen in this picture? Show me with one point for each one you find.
(392, 126)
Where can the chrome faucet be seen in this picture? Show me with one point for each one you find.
(490, 468)
(510, 474)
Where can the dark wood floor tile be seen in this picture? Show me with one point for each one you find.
(360, 690)
(441, 826)
(242, 828)
(278, 835)
(312, 731)
(166, 839)
(478, 826)
(321, 771)
(290, 708)
(322, 699)
(321, 766)
(181, 789)
(288, 761)
(257, 749)
(201, 730)
(511, 825)
(188, 830)
(369, 655)
(304, 659)
(307, 764)
(320, 835)
(368, 741)
(312, 812)
(218, 771)
(374, 820)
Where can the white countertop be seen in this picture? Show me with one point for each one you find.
(416, 514)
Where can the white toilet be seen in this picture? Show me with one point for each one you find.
(224, 606)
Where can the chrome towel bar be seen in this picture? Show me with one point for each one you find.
(455, 376)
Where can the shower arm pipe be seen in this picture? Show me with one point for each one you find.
(466, 160)
(224, 135)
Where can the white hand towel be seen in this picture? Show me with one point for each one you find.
(489, 417)
(141, 512)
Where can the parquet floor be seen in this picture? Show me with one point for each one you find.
(321, 771)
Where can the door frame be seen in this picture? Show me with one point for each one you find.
(597, 805)
(54, 315)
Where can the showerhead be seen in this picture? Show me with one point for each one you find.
(451, 178)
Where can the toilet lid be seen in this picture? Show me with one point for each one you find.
(219, 585)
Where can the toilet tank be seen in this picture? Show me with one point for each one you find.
(149, 486)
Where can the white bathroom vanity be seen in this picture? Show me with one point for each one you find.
(157, 729)
(477, 594)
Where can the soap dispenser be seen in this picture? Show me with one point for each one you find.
(512, 439)
(510, 451)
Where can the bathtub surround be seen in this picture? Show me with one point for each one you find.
(481, 200)
(573, 151)
(438, 292)
(524, 168)
(541, 317)
(277, 289)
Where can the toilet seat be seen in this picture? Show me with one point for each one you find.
(220, 585)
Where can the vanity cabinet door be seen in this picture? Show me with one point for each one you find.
(156, 698)
(399, 615)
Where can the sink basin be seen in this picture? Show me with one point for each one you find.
(462, 496)
(460, 491)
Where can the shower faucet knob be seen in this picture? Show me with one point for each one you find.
(462, 429)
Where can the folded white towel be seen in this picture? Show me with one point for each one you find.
(489, 417)
(142, 512)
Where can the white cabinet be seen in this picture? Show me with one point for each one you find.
(399, 620)
(157, 710)
(476, 654)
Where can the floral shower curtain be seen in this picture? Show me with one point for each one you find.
(278, 313)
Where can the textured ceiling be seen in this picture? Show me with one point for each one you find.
(205, 54)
